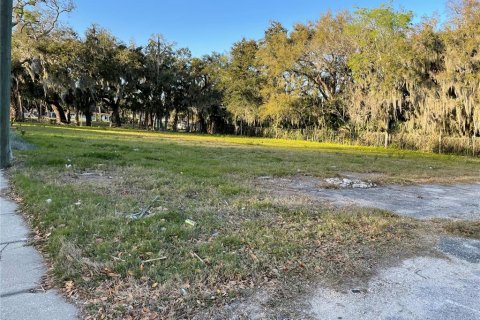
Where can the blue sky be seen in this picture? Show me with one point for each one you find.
(213, 25)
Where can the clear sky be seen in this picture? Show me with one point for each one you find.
(213, 25)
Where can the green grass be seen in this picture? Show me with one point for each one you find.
(243, 236)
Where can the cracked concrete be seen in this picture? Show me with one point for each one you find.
(21, 270)
(420, 288)
(460, 201)
(438, 288)
(457, 201)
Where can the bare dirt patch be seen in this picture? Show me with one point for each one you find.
(104, 181)
(93, 177)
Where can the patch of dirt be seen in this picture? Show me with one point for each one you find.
(104, 181)
(267, 303)
(253, 307)
(96, 177)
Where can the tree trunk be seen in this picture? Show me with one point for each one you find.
(16, 103)
(59, 113)
(440, 143)
(159, 123)
(167, 116)
(151, 124)
(202, 124)
(175, 121)
(147, 120)
(16, 112)
(39, 110)
(88, 118)
(473, 145)
(20, 116)
(386, 139)
(115, 116)
(213, 127)
(158, 119)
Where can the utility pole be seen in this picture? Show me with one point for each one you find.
(5, 81)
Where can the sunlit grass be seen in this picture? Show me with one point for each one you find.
(261, 154)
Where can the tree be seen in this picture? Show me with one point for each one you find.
(461, 77)
(159, 79)
(33, 21)
(242, 82)
(324, 64)
(106, 62)
(379, 66)
(307, 72)
(371, 70)
(37, 18)
(283, 89)
(427, 95)
(206, 93)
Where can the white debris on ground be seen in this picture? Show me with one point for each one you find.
(349, 183)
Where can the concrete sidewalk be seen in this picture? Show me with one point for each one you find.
(21, 270)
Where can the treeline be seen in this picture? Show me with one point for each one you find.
(371, 76)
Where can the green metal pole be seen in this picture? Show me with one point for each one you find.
(5, 80)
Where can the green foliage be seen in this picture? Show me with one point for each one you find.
(242, 82)
(380, 63)
(382, 47)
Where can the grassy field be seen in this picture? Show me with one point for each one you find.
(210, 232)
